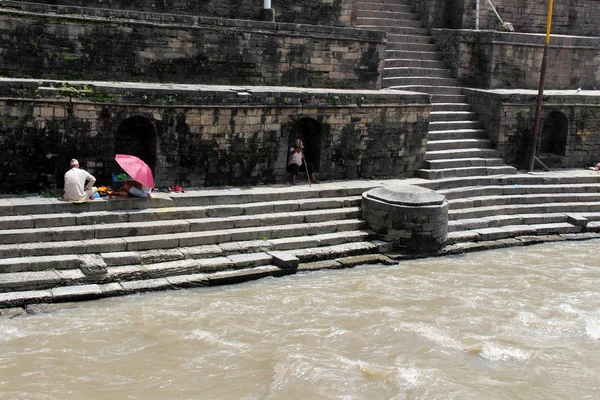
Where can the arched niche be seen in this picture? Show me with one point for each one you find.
(310, 132)
(137, 136)
(554, 134)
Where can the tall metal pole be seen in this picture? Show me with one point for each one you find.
(538, 109)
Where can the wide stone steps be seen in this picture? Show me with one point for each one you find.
(413, 80)
(463, 162)
(519, 190)
(450, 106)
(388, 17)
(438, 145)
(413, 75)
(447, 186)
(465, 171)
(445, 116)
(52, 250)
(447, 98)
(512, 231)
(522, 199)
(415, 72)
(451, 134)
(145, 257)
(37, 280)
(398, 37)
(383, 6)
(411, 46)
(396, 29)
(95, 291)
(391, 21)
(461, 153)
(447, 91)
(535, 208)
(172, 240)
(469, 224)
(103, 230)
(411, 54)
(454, 125)
(413, 63)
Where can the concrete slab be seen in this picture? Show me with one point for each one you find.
(121, 258)
(146, 285)
(20, 281)
(105, 245)
(250, 259)
(244, 275)
(39, 263)
(16, 222)
(152, 242)
(206, 251)
(21, 299)
(188, 281)
(76, 293)
(52, 248)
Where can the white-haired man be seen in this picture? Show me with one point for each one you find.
(76, 188)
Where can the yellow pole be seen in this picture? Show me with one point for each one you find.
(538, 109)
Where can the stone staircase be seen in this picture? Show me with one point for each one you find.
(491, 208)
(457, 144)
(54, 251)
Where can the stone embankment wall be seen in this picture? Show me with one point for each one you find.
(313, 12)
(509, 117)
(206, 136)
(579, 18)
(151, 47)
(487, 59)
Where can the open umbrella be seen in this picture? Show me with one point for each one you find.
(136, 169)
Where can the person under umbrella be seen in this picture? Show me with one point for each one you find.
(141, 182)
(133, 188)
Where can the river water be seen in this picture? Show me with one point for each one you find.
(517, 323)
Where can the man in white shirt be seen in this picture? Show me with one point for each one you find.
(75, 179)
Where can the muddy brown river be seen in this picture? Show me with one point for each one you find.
(517, 323)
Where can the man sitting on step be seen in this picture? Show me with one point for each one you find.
(75, 179)
(296, 163)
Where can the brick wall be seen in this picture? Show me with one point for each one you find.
(165, 48)
(487, 59)
(569, 17)
(314, 12)
(509, 117)
(206, 135)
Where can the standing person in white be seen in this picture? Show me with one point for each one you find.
(75, 179)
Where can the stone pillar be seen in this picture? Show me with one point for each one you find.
(409, 217)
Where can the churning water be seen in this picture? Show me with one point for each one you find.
(517, 323)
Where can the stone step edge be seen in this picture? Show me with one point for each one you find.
(147, 257)
(469, 224)
(186, 239)
(472, 246)
(29, 221)
(38, 280)
(522, 199)
(484, 181)
(202, 197)
(512, 209)
(171, 226)
(97, 291)
(199, 198)
(510, 231)
(498, 190)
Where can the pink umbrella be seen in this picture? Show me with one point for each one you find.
(136, 169)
